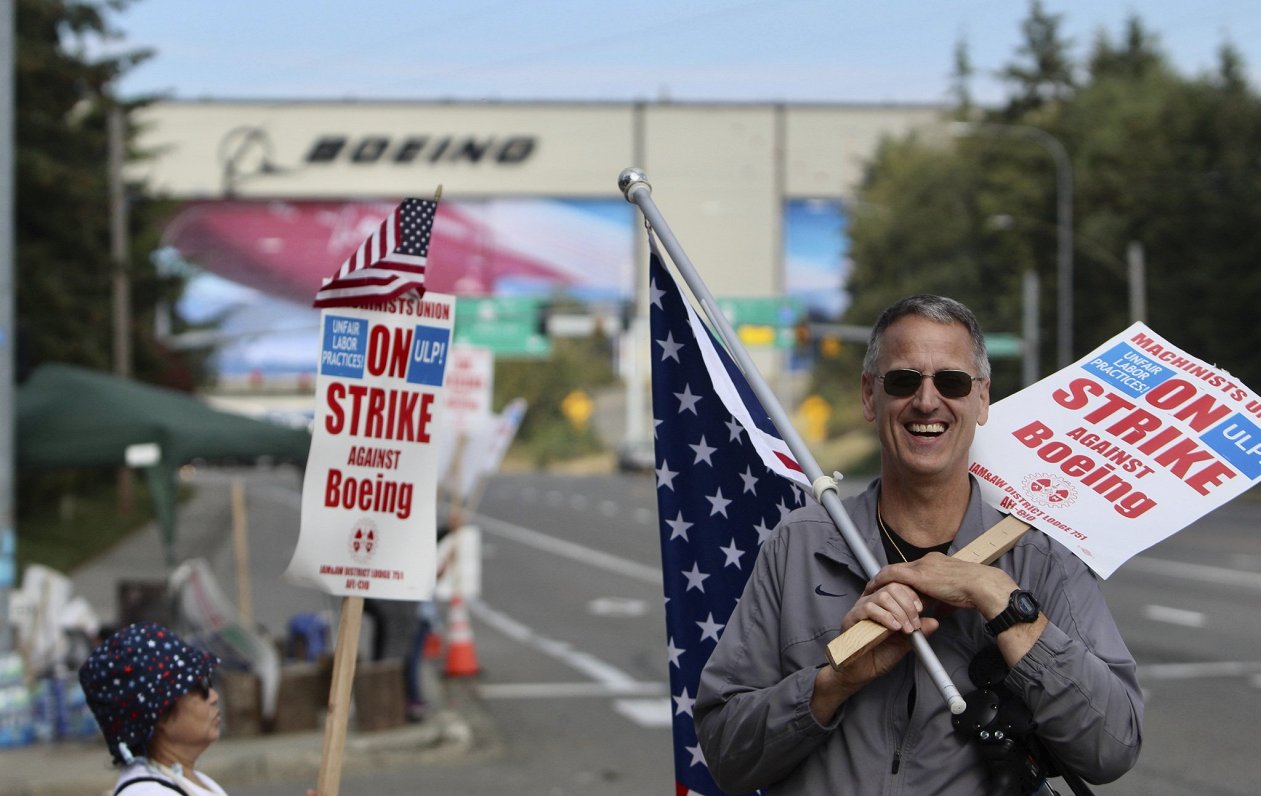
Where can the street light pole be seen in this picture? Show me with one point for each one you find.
(8, 330)
(1063, 222)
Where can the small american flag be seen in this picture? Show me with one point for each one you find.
(725, 479)
(389, 263)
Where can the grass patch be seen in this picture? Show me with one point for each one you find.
(82, 523)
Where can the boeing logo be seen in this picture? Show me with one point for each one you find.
(503, 151)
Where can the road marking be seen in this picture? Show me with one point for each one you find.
(1196, 671)
(577, 552)
(1201, 572)
(1174, 616)
(604, 674)
(617, 606)
(647, 712)
(564, 690)
(608, 680)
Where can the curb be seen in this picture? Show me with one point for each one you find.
(81, 767)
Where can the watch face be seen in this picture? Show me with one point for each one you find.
(1026, 606)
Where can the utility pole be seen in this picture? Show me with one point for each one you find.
(8, 336)
(120, 245)
(1031, 362)
(1137, 267)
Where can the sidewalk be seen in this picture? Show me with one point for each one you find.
(79, 768)
(74, 767)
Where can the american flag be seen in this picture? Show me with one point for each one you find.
(725, 479)
(389, 263)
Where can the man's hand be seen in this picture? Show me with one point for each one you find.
(948, 580)
(961, 584)
(896, 607)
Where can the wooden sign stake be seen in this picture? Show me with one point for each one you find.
(339, 695)
(241, 546)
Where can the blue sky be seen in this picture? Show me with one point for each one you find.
(781, 50)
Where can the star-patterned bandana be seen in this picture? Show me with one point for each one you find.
(134, 677)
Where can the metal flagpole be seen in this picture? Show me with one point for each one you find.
(635, 186)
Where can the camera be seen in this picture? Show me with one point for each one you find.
(1003, 728)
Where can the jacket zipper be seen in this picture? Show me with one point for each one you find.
(910, 711)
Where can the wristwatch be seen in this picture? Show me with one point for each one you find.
(1021, 607)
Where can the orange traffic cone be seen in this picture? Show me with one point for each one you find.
(461, 656)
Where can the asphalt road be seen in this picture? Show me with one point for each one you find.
(569, 634)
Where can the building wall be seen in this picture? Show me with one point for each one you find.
(720, 172)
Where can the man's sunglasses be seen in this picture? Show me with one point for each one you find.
(904, 382)
(202, 687)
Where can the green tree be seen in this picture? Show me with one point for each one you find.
(64, 268)
(1169, 162)
(931, 222)
(574, 364)
(1137, 56)
(1160, 159)
(961, 81)
(1045, 72)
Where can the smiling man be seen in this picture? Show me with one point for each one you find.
(1033, 629)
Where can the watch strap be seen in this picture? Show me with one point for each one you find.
(1012, 615)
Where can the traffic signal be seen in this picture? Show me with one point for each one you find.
(801, 336)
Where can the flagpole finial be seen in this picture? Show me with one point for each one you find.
(629, 178)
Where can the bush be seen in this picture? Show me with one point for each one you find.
(546, 435)
(68, 517)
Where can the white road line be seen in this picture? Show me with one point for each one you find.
(608, 680)
(1201, 572)
(1196, 671)
(604, 674)
(617, 607)
(647, 712)
(562, 690)
(1174, 616)
(577, 552)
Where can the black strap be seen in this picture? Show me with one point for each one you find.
(164, 783)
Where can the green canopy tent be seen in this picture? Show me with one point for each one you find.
(70, 416)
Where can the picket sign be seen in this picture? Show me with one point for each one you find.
(368, 525)
(369, 497)
(1118, 451)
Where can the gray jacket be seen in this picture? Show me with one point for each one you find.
(752, 710)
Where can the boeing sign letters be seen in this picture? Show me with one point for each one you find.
(505, 151)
